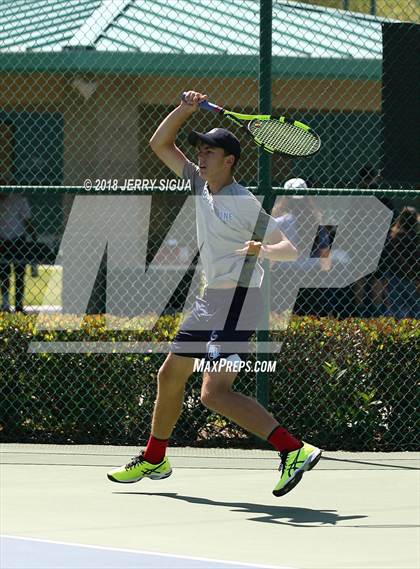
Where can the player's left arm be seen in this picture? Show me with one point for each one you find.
(268, 240)
(275, 247)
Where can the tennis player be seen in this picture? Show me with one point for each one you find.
(232, 231)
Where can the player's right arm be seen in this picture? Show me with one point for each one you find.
(163, 140)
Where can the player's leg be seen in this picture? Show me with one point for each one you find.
(239, 310)
(248, 413)
(217, 395)
(296, 456)
(152, 463)
(172, 377)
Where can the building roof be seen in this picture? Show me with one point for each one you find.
(42, 24)
(191, 28)
(231, 27)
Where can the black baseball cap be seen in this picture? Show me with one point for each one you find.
(219, 138)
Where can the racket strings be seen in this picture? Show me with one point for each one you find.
(283, 137)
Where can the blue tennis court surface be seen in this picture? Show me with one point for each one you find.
(22, 553)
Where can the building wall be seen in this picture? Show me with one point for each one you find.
(108, 120)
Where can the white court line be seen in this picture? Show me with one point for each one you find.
(143, 552)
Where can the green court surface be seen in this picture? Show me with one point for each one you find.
(354, 510)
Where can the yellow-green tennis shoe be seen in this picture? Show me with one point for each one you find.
(293, 465)
(138, 468)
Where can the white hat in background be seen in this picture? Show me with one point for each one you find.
(295, 184)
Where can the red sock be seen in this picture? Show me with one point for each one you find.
(283, 440)
(155, 450)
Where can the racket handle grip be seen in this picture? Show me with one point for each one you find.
(206, 106)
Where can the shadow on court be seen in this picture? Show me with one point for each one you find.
(300, 517)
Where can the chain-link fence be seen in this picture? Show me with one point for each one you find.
(81, 364)
(86, 82)
(84, 86)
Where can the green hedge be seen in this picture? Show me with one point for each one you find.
(350, 384)
(346, 384)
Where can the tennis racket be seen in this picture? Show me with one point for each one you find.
(273, 134)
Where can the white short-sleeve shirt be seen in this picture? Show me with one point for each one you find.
(226, 220)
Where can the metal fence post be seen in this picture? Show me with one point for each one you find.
(373, 7)
(264, 177)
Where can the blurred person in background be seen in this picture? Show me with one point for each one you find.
(369, 291)
(15, 229)
(401, 266)
(296, 215)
